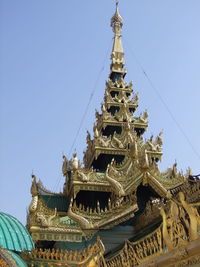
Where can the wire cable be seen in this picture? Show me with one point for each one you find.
(89, 102)
(164, 103)
(86, 110)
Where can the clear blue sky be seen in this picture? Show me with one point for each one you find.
(51, 55)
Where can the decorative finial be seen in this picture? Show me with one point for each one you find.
(116, 20)
(34, 188)
(75, 164)
(117, 56)
(33, 176)
(64, 165)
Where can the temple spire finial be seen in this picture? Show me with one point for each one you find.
(116, 20)
(117, 56)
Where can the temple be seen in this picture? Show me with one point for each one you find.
(119, 209)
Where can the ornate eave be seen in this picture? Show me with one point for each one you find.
(114, 103)
(120, 98)
(85, 223)
(168, 243)
(57, 234)
(134, 171)
(111, 216)
(121, 118)
(190, 188)
(118, 86)
(138, 123)
(91, 186)
(76, 223)
(117, 144)
(88, 180)
(91, 256)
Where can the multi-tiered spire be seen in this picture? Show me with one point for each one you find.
(120, 174)
(110, 130)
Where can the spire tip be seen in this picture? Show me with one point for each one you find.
(116, 19)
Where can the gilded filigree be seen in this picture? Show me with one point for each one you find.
(119, 84)
(114, 208)
(45, 220)
(34, 203)
(93, 253)
(119, 99)
(171, 235)
(118, 163)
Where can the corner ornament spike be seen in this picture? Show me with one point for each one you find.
(34, 187)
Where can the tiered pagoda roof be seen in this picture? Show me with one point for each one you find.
(120, 179)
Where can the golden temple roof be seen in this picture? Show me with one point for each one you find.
(105, 192)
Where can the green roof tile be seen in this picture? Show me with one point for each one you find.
(60, 202)
(13, 235)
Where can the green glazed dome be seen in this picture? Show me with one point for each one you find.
(13, 235)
